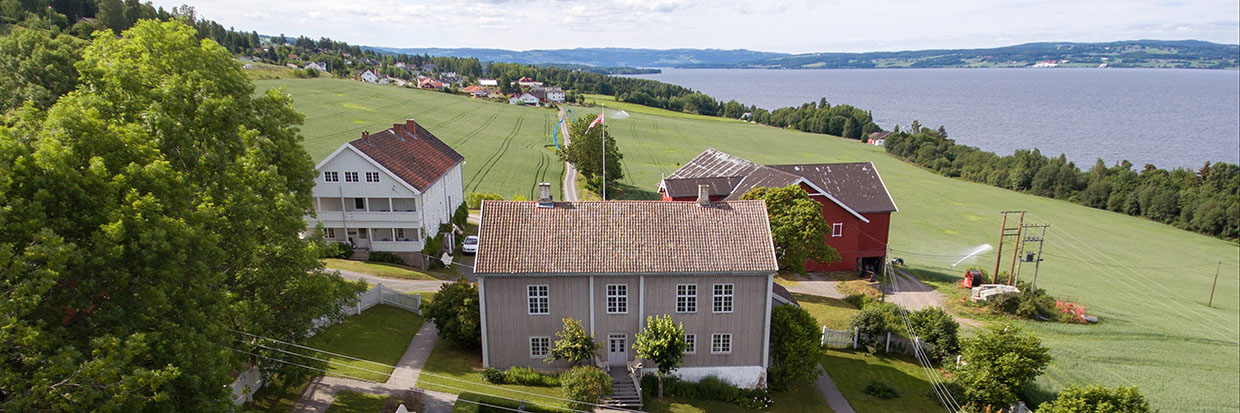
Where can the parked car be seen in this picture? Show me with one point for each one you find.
(471, 245)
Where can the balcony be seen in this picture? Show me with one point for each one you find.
(368, 216)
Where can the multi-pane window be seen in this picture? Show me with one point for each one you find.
(723, 298)
(539, 346)
(837, 229)
(617, 298)
(721, 343)
(372, 177)
(331, 176)
(331, 233)
(690, 343)
(686, 298)
(539, 299)
(350, 176)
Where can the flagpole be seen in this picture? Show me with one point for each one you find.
(603, 123)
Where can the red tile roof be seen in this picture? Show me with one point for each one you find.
(411, 152)
(624, 237)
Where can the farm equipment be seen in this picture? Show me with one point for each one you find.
(972, 278)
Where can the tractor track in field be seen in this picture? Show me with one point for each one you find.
(538, 172)
(485, 124)
(458, 117)
(495, 157)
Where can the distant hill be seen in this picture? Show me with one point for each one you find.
(604, 57)
(1133, 53)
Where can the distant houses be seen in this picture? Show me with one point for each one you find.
(877, 138)
(320, 66)
(430, 84)
(526, 82)
(369, 77)
(488, 82)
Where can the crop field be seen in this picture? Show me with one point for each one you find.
(1147, 282)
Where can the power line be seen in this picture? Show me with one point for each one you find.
(941, 392)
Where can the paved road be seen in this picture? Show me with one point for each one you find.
(404, 286)
(570, 172)
(909, 292)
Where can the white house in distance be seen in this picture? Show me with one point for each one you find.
(369, 76)
(488, 82)
(388, 191)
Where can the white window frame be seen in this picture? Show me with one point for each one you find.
(372, 177)
(617, 302)
(330, 232)
(721, 343)
(534, 297)
(686, 300)
(723, 298)
(331, 176)
(837, 230)
(350, 176)
(690, 343)
(540, 341)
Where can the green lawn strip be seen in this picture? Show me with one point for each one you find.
(380, 334)
(277, 396)
(831, 312)
(466, 367)
(478, 403)
(632, 108)
(380, 269)
(852, 371)
(800, 398)
(354, 402)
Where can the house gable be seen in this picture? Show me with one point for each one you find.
(347, 158)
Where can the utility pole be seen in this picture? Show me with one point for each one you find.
(1030, 257)
(1216, 269)
(1004, 233)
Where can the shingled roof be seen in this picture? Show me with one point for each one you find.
(856, 184)
(410, 152)
(624, 237)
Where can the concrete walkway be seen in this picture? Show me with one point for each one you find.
(321, 392)
(826, 388)
(397, 284)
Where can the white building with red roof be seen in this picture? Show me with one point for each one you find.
(388, 190)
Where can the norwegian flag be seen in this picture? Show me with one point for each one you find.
(597, 121)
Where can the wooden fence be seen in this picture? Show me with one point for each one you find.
(375, 296)
(853, 339)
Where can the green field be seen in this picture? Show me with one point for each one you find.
(1148, 282)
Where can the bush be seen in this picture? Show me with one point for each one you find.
(387, 257)
(336, 250)
(493, 375)
(455, 313)
(528, 377)
(432, 249)
(1097, 399)
(794, 346)
(937, 327)
(474, 200)
(880, 390)
(872, 326)
(461, 217)
(585, 386)
(857, 300)
(709, 388)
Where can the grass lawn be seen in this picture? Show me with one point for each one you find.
(278, 396)
(1112, 263)
(802, 398)
(632, 108)
(380, 334)
(831, 312)
(354, 402)
(381, 269)
(466, 366)
(852, 371)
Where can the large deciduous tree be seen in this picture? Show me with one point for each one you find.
(586, 152)
(575, 344)
(797, 227)
(146, 217)
(997, 363)
(37, 67)
(456, 315)
(662, 341)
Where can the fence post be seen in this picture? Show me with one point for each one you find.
(856, 335)
(888, 349)
(823, 342)
(417, 305)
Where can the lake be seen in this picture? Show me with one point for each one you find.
(1171, 118)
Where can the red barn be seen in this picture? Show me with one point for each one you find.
(854, 199)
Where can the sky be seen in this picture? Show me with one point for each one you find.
(790, 26)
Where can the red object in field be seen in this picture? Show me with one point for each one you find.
(972, 278)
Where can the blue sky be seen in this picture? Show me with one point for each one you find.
(794, 26)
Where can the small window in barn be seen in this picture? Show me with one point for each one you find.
(837, 229)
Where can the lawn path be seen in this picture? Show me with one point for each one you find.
(321, 392)
(404, 286)
(826, 388)
(570, 172)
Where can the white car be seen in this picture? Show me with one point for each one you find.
(471, 245)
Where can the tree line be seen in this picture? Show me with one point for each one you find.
(1206, 200)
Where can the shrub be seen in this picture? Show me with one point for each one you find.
(1005, 303)
(461, 217)
(334, 249)
(880, 390)
(455, 313)
(1097, 399)
(431, 249)
(474, 201)
(872, 326)
(937, 327)
(493, 375)
(857, 300)
(585, 386)
(387, 257)
(709, 388)
(794, 346)
(528, 377)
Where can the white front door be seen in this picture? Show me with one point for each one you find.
(359, 237)
(617, 349)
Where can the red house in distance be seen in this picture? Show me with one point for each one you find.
(855, 201)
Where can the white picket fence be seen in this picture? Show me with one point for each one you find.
(375, 296)
(852, 339)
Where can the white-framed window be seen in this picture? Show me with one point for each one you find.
(372, 177)
(690, 343)
(539, 346)
(723, 298)
(331, 233)
(837, 229)
(617, 298)
(331, 176)
(720, 343)
(686, 298)
(539, 299)
(350, 176)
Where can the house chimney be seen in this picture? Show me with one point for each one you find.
(544, 195)
(703, 195)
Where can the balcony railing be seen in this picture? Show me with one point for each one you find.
(368, 216)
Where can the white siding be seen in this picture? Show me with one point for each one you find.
(348, 161)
